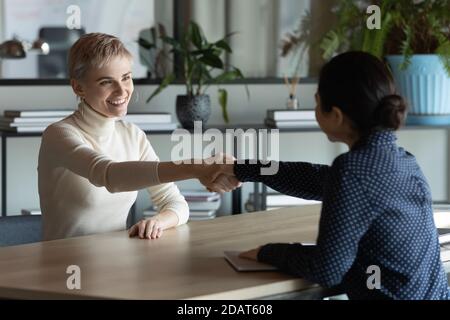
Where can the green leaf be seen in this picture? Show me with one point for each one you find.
(226, 76)
(223, 45)
(146, 44)
(330, 44)
(406, 49)
(202, 52)
(212, 61)
(381, 36)
(173, 42)
(195, 34)
(166, 81)
(223, 100)
(241, 76)
(153, 34)
(444, 53)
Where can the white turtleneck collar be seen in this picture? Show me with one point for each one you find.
(93, 122)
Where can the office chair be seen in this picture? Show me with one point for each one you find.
(17, 230)
(59, 39)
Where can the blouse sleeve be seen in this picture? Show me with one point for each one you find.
(298, 179)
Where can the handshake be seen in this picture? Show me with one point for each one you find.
(217, 173)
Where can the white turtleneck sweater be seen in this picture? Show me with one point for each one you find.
(90, 168)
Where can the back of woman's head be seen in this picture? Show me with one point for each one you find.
(361, 86)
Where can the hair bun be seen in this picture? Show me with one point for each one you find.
(391, 112)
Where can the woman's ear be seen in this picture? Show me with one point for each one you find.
(338, 116)
(77, 88)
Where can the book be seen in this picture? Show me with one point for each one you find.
(149, 117)
(18, 120)
(441, 212)
(24, 129)
(38, 113)
(445, 252)
(202, 213)
(292, 124)
(29, 212)
(157, 126)
(204, 205)
(444, 235)
(246, 265)
(281, 200)
(198, 218)
(192, 195)
(285, 114)
(25, 124)
(193, 215)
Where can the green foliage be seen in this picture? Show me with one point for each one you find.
(407, 27)
(153, 52)
(296, 43)
(200, 59)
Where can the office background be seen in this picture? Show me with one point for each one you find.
(430, 145)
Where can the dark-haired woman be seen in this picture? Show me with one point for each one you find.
(376, 202)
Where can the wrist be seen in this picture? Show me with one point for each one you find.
(227, 168)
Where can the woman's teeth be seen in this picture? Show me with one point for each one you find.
(117, 102)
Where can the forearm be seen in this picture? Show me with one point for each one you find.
(168, 219)
(298, 179)
(135, 175)
(171, 172)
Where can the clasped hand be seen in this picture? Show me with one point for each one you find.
(217, 174)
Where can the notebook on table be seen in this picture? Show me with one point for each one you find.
(241, 264)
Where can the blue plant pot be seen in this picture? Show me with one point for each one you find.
(425, 85)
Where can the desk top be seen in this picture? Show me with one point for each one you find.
(186, 263)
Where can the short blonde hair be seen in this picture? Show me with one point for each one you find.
(94, 50)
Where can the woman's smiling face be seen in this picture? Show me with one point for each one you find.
(107, 89)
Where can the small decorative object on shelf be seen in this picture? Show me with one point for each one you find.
(292, 101)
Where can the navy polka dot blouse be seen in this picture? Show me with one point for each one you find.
(376, 211)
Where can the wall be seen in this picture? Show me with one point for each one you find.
(428, 145)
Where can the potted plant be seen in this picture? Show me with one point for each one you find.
(202, 66)
(414, 38)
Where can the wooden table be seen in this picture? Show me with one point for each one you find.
(186, 263)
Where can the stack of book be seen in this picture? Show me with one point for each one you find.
(203, 205)
(31, 120)
(444, 235)
(445, 252)
(276, 200)
(285, 118)
(39, 120)
(152, 121)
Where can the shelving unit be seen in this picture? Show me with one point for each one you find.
(260, 203)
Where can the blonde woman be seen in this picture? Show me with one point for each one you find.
(91, 164)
